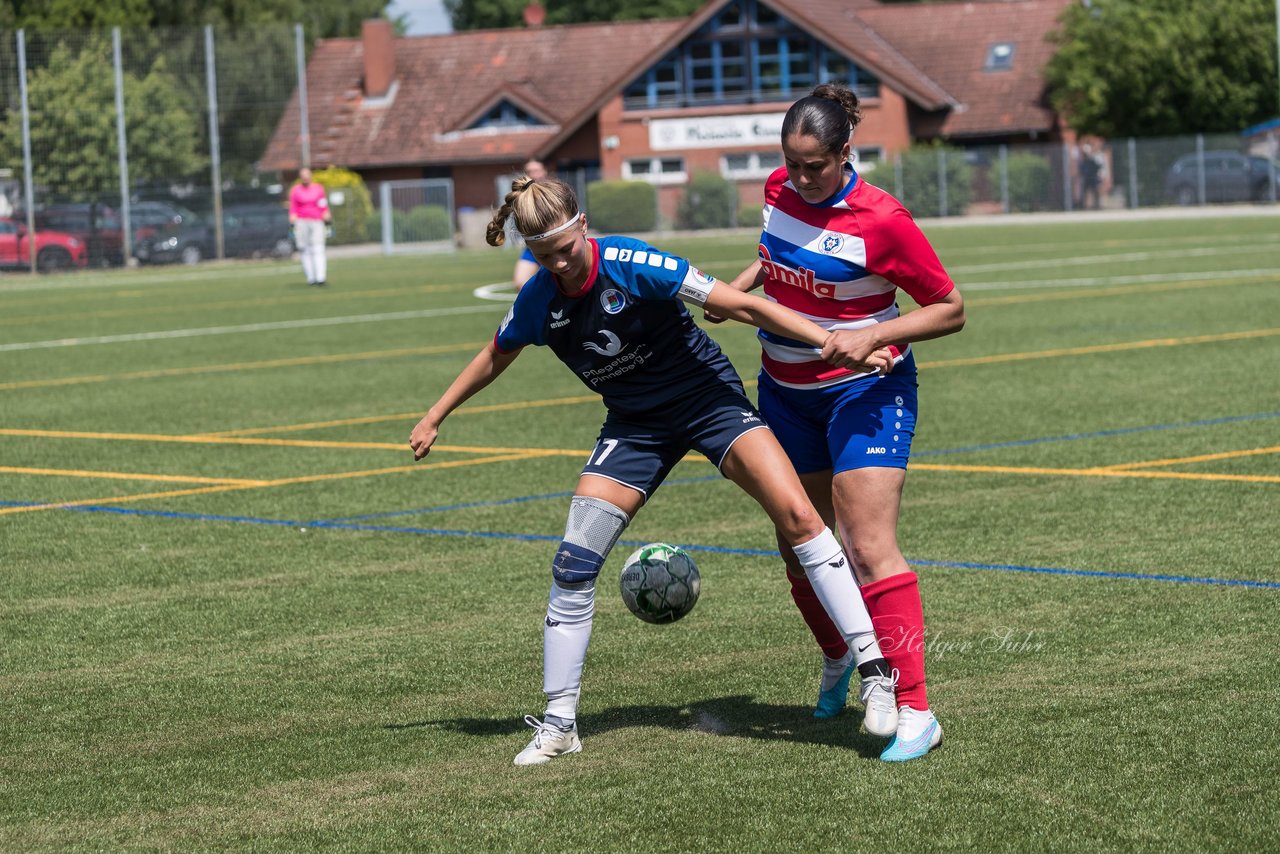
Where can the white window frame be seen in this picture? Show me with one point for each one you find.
(655, 175)
(867, 157)
(754, 170)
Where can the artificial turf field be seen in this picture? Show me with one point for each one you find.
(236, 614)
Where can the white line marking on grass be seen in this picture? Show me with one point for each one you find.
(1092, 281)
(114, 280)
(247, 327)
(1085, 260)
(498, 292)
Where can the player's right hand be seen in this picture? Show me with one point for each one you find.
(711, 318)
(423, 437)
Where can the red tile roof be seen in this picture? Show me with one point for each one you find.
(932, 53)
(949, 43)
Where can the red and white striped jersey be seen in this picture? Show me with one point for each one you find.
(839, 263)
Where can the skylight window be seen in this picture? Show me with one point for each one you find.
(999, 57)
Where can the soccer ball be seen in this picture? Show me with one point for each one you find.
(660, 583)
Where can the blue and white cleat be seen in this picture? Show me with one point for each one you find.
(833, 694)
(918, 733)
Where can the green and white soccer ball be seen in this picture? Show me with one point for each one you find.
(660, 583)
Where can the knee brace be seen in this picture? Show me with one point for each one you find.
(594, 526)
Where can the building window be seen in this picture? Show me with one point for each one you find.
(750, 165)
(746, 53)
(867, 157)
(999, 57)
(506, 115)
(655, 170)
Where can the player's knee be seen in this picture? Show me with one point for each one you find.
(593, 527)
(798, 522)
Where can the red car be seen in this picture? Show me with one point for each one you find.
(54, 249)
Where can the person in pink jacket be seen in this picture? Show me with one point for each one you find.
(310, 217)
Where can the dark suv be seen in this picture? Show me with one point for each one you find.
(248, 231)
(1228, 177)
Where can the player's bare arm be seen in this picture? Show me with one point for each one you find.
(727, 301)
(486, 367)
(746, 281)
(848, 348)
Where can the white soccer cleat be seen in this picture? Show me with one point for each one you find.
(876, 693)
(548, 742)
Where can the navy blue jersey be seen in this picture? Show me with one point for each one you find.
(626, 335)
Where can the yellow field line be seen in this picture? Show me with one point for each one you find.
(1115, 290)
(399, 447)
(408, 416)
(245, 366)
(120, 475)
(1202, 458)
(1096, 472)
(123, 499)
(1103, 348)
(308, 298)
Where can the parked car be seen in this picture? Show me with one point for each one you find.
(93, 223)
(250, 231)
(150, 218)
(1228, 177)
(54, 249)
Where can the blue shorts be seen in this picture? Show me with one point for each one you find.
(640, 452)
(864, 423)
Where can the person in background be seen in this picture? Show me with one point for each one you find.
(310, 217)
(1090, 169)
(836, 250)
(526, 264)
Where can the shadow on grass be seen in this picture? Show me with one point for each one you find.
(738, 716)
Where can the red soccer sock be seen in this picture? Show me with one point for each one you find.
(824, 631)
(896, 612)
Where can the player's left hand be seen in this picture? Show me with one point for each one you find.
(856, 350)
(423, 437)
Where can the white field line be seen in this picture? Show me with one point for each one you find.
(67, 281)
(498, 292)
(1094, 243)
(247, 327)
(1112, 258)
(1093, 281)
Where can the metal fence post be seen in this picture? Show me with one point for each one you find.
(304, 120)
(1133, 173)
(897, 177)
(1200, 167)
(121, 151)
(384, 199)
(942, 182)
(28, 183)
(1066, 178)
(211, 82)
(1004, 178)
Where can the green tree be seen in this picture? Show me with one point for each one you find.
(73, 124)
(481, 14)
(1165, 67)
(321, 18)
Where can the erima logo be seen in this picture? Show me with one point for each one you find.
(556, 319)
(837, 563)
(613, 348)
(748, 417)
(551, 624)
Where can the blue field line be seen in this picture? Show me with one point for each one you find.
(441, 508)
(550, 538)
(1097, 434)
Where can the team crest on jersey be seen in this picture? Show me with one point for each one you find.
(613, 301)
(831, 243)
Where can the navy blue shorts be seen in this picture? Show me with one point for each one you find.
(864, 423)
(640, 452)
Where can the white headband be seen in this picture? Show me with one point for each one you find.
(559, 228)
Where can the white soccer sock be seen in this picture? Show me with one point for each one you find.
(308, 266)
(564, 647)
(832, 579)
(318, 262)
